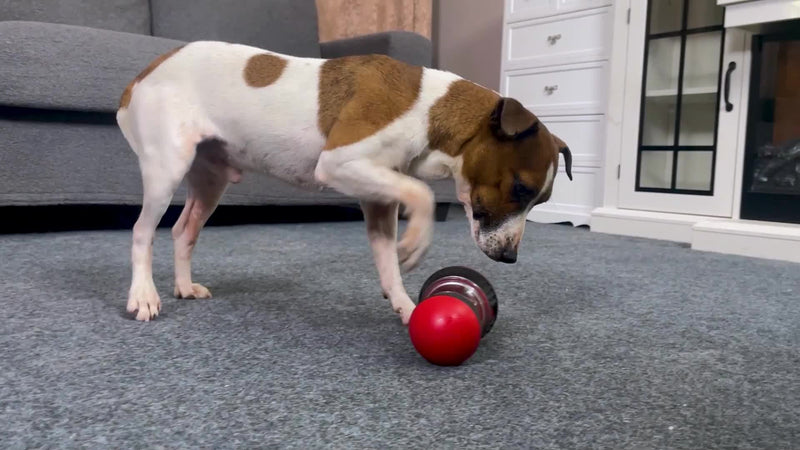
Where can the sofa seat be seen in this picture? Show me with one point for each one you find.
(60, 85)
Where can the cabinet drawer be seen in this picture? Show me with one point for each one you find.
(580, 37)
(575, 89)
(585, 136)
(527, 9)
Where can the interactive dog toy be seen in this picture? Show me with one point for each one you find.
(457, 306)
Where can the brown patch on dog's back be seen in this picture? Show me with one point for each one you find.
(263, 69)
(125, 100)
(360, 95)
(336, 89)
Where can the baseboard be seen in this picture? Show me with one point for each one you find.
(646, 224)
(767, 240)
(748, 238)
(78, 217)
(51, 218)
(559, 213)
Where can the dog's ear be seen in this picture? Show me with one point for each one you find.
(564, 150)
(510, 120)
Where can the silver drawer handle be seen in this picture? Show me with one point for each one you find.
(550, 89)
(553, 38)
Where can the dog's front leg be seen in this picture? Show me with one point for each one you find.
(371, 182)
(381, 222)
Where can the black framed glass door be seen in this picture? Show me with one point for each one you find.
(771, 184)
(677, 144)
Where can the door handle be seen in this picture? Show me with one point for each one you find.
(728, 104)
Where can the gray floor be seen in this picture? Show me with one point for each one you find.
(602, 342)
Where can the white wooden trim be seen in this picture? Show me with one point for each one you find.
(762, 11)
(729, 124)
(730, 2)
(744, 104)
(504, 50)
(615, 102)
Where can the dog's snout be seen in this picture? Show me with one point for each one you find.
(509, 256)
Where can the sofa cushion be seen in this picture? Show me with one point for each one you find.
(57, 66)
(285, 26)
(132, 16)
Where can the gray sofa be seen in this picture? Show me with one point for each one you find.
(64, 64)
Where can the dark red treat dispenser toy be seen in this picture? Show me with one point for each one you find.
(457, 307)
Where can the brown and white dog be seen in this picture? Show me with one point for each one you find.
(368, 126)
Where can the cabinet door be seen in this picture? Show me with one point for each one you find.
(679, 139)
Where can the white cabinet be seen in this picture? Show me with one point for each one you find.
(555, 61)
(679, 141)
(702, 124)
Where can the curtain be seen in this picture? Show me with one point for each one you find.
(348, 18)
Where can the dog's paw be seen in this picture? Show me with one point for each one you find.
(144, 301)
(403, 307)
(190, 291)
(415, 242)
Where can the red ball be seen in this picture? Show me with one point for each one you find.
(444, 330)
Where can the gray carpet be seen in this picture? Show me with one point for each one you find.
(602, 342)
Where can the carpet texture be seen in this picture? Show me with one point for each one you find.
(601, 342)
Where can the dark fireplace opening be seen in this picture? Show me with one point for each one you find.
(771, 185)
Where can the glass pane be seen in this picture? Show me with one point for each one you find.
(656, 169)
(661, 89)
(658, 126)
(698, 119)
(665, 15)
(704, 13)
(700, 82)
(694, 171)
(701, 64)
(663, 64)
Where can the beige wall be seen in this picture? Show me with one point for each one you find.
(467, 37)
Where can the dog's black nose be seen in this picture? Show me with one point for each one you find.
(509, 256)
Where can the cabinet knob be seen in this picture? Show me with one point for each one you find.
(550, 89)
(553, 38)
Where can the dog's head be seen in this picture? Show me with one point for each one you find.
(508, 167)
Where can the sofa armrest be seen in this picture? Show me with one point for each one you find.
(405, 46)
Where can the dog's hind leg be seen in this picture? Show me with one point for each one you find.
(207, 180)
(159, 184)
(166, 149)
